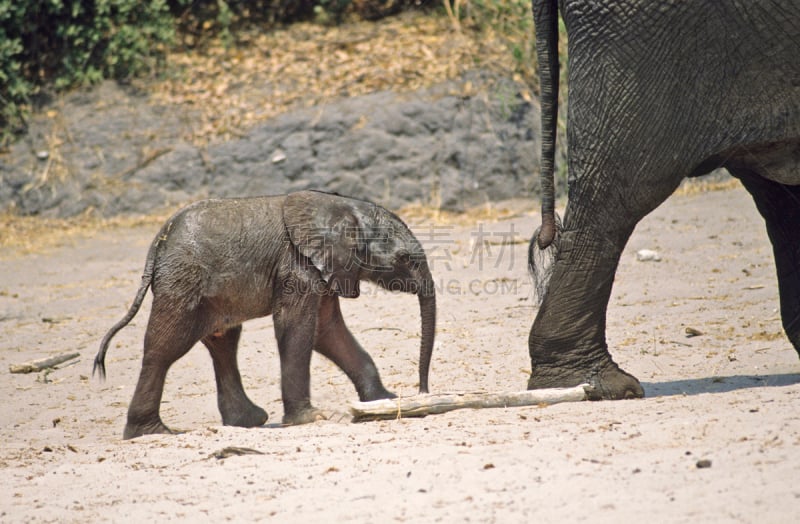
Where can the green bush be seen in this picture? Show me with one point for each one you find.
(194, 18)
(14, 89)
(72, 42)
(67, 43)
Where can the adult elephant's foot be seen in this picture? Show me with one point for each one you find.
(137, 429)
(245, 416)
(607, 382)
(303, 416)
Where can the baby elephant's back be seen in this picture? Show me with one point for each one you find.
(221, 249)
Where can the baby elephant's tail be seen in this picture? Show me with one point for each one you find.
(147, 278)
(541, 261)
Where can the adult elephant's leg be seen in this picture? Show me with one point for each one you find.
(779, 204)
(169, 336)
(295, 319)
(337, 343)
(234, 405)
(567, 342)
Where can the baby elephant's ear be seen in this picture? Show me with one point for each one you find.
(324, 229)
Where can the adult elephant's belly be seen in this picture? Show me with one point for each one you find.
(779, 161)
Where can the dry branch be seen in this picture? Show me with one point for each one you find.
(422, 405)
(43, 363)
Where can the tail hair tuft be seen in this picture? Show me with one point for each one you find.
(541, 262)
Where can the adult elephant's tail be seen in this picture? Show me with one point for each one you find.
(541, 261)
(545, 19)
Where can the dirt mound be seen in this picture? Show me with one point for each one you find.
(455, 145)
(393, 111)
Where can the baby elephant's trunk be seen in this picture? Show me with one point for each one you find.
(427, 309)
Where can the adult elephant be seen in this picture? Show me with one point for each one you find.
(659, 91)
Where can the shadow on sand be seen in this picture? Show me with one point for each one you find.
(697, 386)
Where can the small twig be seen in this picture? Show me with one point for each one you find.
(507, 242)
(692, 332)
(41, 364)
(232, 451)
(453, 13)
(381, 328)
(146, 160)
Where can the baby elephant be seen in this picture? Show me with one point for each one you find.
(217, 263)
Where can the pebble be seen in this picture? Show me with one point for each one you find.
(648, 255)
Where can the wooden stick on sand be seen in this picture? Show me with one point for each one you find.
(43, 363)
(422, 405)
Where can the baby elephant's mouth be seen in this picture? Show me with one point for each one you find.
(346, 288)
(402, 285)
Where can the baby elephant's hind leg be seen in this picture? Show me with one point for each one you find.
(234, 405)
(335, 341)
(169, 336)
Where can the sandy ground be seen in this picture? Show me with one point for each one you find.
(729, 396)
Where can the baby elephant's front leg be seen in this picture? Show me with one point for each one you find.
(295, 322)
(337, 343)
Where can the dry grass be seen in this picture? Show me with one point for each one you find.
(225, 91)
(30, 235)
(421, 214)
(693, 186)
(27, 235)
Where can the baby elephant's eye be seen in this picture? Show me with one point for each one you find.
(404, 258)
(411, 262)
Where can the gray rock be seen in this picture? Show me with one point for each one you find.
(433, 147)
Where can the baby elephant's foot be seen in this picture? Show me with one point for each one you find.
(250, 417)
(304, 416)
(375, 393)
(133, 430)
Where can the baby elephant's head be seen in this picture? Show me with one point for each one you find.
(349, 240)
